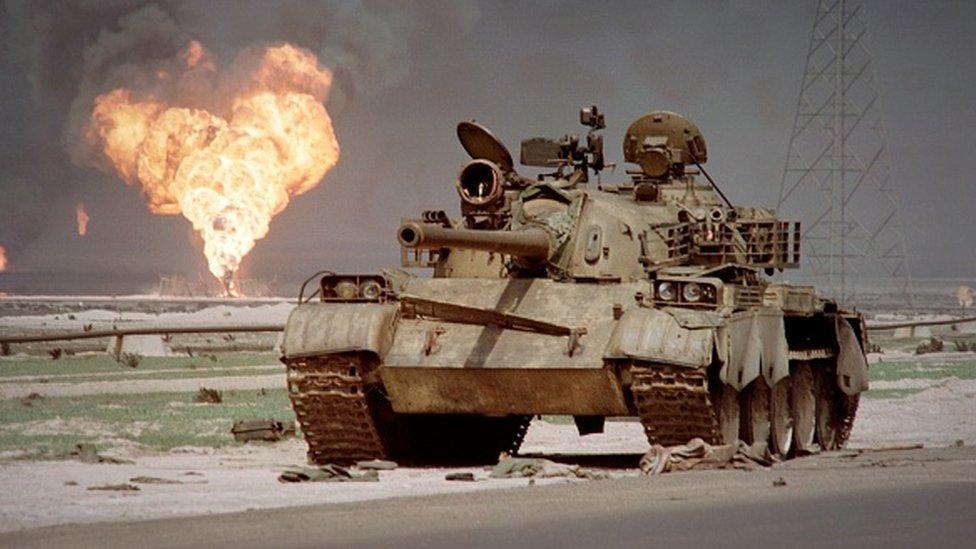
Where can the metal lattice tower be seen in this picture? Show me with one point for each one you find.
(837, 170)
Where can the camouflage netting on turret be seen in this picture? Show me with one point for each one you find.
(560, 225)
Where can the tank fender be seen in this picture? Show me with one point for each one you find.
(852, 366)
(656, 335)
(323, 328)
(750, 344)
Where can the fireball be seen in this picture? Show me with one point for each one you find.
(230, 169)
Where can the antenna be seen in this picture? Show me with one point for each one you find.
(837, 173)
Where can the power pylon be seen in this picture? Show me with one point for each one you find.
(837, 173)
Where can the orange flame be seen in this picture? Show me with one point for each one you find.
(3, 259)
(81, 216)
(230, 171)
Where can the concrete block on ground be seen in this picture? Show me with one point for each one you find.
(143, 345)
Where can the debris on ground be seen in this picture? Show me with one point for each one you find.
(130, 360)
(86, 453)
(933, 345)
(780, 482)
(875, 449)
(462, 476)
(326, 473)
(698, 454)
(377, 465)
(540, 468)
(270, 430)
(29, 399)
(959, 443)
(55, 353)
(153, 480)
(208, 396)
(116, 487)
(70, 483)
(965, 347)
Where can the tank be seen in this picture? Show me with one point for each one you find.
(560, 293)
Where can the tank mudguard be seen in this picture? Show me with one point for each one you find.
(753, 343)
(323, 328)
(852, 366)
(658, 335)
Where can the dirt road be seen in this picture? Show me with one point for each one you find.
(895, 498)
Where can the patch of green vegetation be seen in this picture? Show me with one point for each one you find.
(50, 427)
(892, 371)
(892, 393)
(105, 363)
(135, 375)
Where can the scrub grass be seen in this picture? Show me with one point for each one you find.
(893, 371)
(50, 427)
(103, 363)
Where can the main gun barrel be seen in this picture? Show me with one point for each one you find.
(531, 243)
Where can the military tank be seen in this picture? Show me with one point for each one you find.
(653, 297)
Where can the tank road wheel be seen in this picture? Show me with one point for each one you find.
(804, 405)
(725, 399)
(781, 417)
(755, 412)
(829, 415)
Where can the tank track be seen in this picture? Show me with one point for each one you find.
(329, 398)
(520, 430)
(847, 420)
(673, 403)
(344, 421)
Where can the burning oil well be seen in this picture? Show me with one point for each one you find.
(226, 148)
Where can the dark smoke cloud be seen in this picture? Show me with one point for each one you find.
(65, 53)
(406, 72)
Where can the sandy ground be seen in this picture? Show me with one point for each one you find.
(915, 498)
(42, 493)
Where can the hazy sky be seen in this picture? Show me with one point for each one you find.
(409, 74)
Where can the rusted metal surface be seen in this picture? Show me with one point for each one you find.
(329, 398)
(673, 403)
(504, 391)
